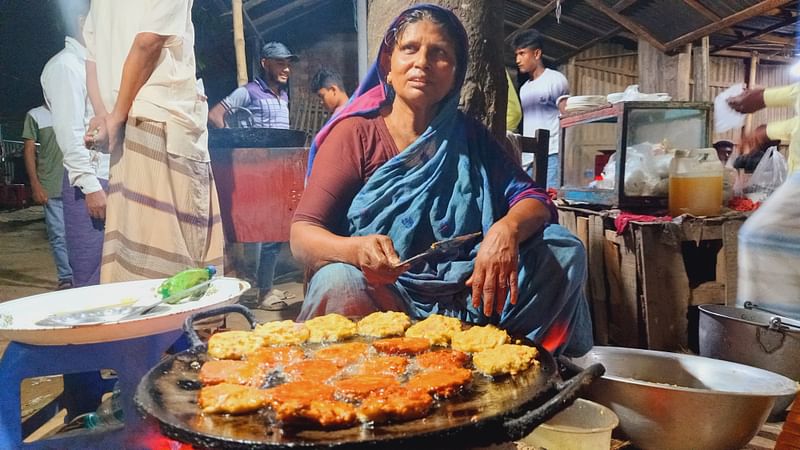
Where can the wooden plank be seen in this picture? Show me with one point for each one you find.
(238, 42)
(672, 76)
(700, 71)
(741, 54)
(614, 31)
(597, 279)
(751, 81)
(683, 75)
(705, 12)
(710, 292)
(730, 248)
(622, 5)
(623, 299)
(665, 289)
(726, 22)
(759, 33)
(602, 68)
(627, 23)
(533, 19)
(582, 230)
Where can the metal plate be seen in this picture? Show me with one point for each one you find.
(169, 394)
(19, 318)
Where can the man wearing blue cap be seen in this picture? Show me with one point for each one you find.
(261, 103)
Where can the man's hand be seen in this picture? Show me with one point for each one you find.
(96, 204)
(495, 273)
(755, 140)
(96, 137)
(115, 126)
(39, 194)
(749, 101)
(376, 257)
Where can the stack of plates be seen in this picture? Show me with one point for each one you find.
(585, 102)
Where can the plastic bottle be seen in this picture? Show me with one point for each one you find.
(108, 414)
(695, 183)
(185, 280)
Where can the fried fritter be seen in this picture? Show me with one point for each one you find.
(232, 372)
(442, 359)
(505, 358)
(476, 338)
(301, 391)
(233, 344)
(384, 324)
(330, 328)
(316, 370)
(325, 413)
(284, 332)
(228, 398)
(402, 346)
(441, 382)
(437, 328)
(273, 357)
(359, 386)
(343, 354)
(395, 404)
(384, 365)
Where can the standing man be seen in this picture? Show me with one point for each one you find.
(329, 87)
(83, 190)
(267, 98)
(538, 97)
(46, 172)
(150, 113)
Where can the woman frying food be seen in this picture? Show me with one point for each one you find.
(400, 167)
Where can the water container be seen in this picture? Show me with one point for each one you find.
(695, 183)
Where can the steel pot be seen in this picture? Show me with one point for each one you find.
(682, 402)
(756, 338)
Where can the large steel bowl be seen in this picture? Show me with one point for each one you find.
(675, 401)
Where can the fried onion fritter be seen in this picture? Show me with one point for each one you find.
(505, 359)
(384, 365)
(232, 372)
(226, 398)
(477, 338)
(384, 324)
(437, 328)
(442, 383)
(316, 370)
(233, 344)
(274, 357)
(324, 413)
(283, 332)
(402, 345)
(330, 328)
(343, 354)
(442, 359)
(395, 404)
(359, 386)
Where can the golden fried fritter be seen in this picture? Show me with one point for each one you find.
(232, 372)
(441, 382)
(477, 338)
(384, 365)
(228, 398)
(436, 328)
(505, 358)
(330, 328)
(284, 332)
(384, 324)
(402, 346)
(233, 344)
(274, 357)
(395, 404)
(302, 391)
(316, 370)
(359, 386)
(343, 354)
(324, 413)
(442, 359)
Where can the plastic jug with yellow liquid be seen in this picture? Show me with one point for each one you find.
(695, 183)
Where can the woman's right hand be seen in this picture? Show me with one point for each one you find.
(749, 101)
(376, 257)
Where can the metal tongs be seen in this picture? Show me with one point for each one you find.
(124, 310)
(443, 247)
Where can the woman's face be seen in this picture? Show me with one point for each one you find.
(423, 65)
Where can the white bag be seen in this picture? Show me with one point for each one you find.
(725, 118)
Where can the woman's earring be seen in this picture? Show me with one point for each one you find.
(389, 80)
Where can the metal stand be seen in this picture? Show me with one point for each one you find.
(130, 358)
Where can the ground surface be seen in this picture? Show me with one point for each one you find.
(26, 268)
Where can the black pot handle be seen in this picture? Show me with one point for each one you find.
(519, 427)
(188, 324)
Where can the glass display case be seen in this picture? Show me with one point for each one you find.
(619, 154)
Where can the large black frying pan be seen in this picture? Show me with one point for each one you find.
(490, 412)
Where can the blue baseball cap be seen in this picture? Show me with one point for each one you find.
(276, 50)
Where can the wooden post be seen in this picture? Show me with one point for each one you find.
(700, 69)
(659, 72)
(238, 41)
(751, 82)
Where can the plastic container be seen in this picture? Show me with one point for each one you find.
(695, 183)
(183, 281)
(584, 425)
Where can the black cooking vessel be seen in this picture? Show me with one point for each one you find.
(491, 412)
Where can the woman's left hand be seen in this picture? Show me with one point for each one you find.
(495, 273)
(115, 127)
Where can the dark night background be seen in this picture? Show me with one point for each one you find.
(31, 32)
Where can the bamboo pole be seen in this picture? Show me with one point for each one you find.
(751, 83)
(238, 41)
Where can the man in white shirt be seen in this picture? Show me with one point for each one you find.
(539, 96)
(151, 113)
(86, 177)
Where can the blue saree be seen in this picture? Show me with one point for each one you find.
(453, 180)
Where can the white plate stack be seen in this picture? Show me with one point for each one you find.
(585, 102)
